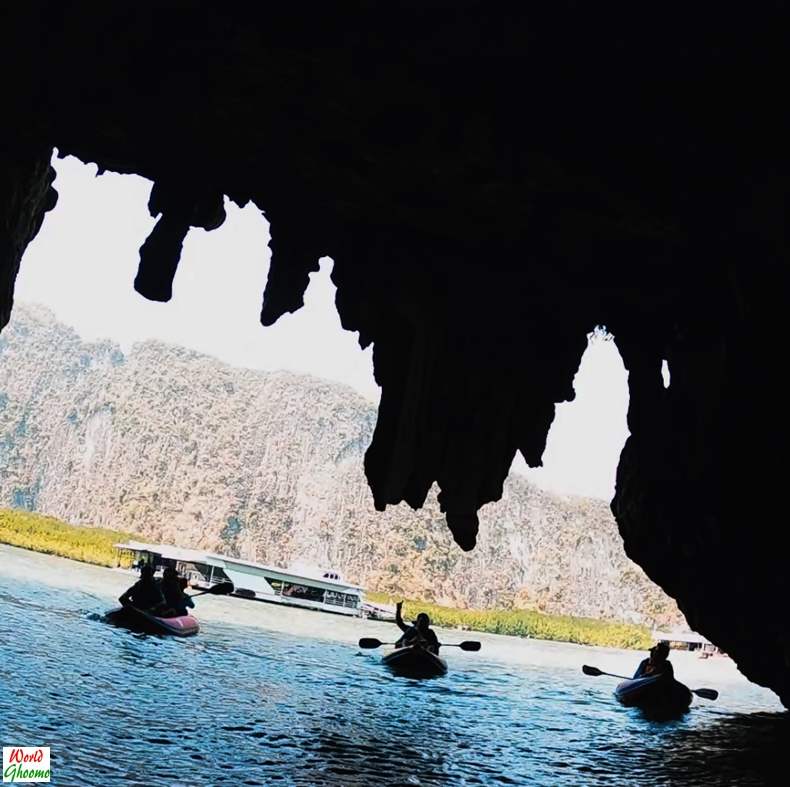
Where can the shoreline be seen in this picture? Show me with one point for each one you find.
(106, 584)
(96, 546)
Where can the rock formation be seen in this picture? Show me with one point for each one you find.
(491, 181)
(269, 466)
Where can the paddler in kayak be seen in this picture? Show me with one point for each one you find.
(176, 601)
(657, 663)
(419, 633)
(145, 593)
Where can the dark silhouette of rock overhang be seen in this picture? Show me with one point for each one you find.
(492, 181)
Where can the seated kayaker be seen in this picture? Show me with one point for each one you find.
(419, 633)
(176, 601)
(657, 663)
(145, 593)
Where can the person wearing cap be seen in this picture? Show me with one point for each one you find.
(657, 663)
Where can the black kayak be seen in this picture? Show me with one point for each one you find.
(138, 620)
(657, 696)
(415, 662)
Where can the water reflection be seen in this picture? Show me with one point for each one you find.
(243, 706)
(749, 749)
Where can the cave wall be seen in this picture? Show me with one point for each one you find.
(27, 194)
(492, 182)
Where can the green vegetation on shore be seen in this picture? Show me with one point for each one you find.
(51, 536)
(95, 545)
(525, 623)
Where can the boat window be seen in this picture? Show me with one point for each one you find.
(210, 574)
(302, 592)
(341, 599)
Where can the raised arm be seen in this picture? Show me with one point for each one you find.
(399, 618)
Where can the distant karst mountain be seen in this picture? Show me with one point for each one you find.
(268, 466)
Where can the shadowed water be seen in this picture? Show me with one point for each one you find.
(238, 705)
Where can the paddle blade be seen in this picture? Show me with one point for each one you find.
(222, 589)
(369, 642)
(469, 645)
(708, 694)
(594, 671)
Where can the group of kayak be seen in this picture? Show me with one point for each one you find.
(162, 607)
(653, 688)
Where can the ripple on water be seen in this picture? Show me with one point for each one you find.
(242, 706)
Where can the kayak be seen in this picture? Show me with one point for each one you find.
(139, 620)
(414, 662)
(655, 696)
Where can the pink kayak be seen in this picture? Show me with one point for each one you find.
(139, 620)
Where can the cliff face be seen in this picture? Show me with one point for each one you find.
(269, 466)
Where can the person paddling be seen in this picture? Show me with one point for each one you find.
(145, 593)
(656, 664)
(419, 633)
(176, 601)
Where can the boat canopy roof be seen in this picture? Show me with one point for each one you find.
(285, 573)
(165, 551)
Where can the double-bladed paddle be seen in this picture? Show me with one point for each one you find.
(708, 694)
(371, 642)
(220, 589)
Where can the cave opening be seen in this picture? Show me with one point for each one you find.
(81, 266)
(82, 263)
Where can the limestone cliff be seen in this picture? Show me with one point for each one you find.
(187, 450)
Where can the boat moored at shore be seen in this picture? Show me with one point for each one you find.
(324, 591)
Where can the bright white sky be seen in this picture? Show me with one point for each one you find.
(83, 262)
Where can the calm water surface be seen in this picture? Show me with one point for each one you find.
(238, 706)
